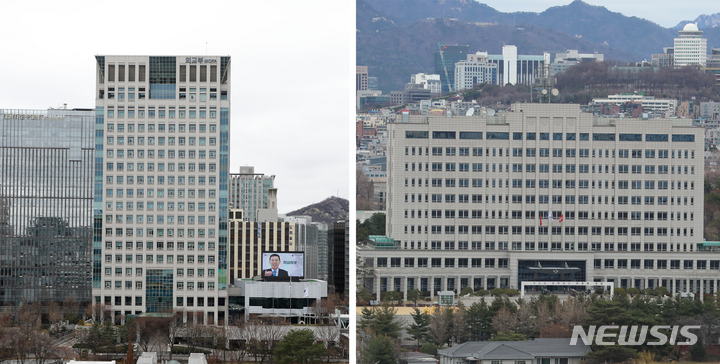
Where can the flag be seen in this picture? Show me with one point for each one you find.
(562, 217)
(550, 216)
(305, 292)
(540, 220)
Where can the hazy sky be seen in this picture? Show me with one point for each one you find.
(291, 73)
(663, 12)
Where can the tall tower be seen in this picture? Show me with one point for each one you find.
(250, 192)
(160, 239)
(690, 47)
(46, 198)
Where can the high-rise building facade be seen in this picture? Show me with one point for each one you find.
(544, 193)
(445, 59)
(46, 199)
(161, 189)
(475, 70)
(361, 78)
(249, 192)
(690, 47)
(249, 240)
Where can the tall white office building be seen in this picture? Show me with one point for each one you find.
(161, 185)
(690, 47)
(543, 193)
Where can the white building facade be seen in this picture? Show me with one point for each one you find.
(474, 71)
(160, 240)
(690, 47)
(543, 193)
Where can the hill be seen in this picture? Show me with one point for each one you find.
(396, 53)
(328, 210)
(398, 37)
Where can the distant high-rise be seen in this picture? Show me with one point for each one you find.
(361, 78)
(249, 192)
(161, 211)
(690, 47)
(445, 59)
(46, 199)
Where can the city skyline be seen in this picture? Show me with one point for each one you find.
(266, 120)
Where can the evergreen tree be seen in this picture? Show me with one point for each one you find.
(299, 346)
(380, 350)
(479, 320)
(419, 328)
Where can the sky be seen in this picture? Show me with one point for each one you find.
(291, 73)
(666, 13)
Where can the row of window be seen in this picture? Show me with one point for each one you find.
(503, 263)
(543, 230)
(158, 232)
(180, 272)
(545, 152)
(545, 168)
(545, 199)
(159, 245)
(159, 219)
(478, 135)
(531, 215)
(150, 206)
(544, 183)
(202, 141)
(182, 114)
(549, 246)
(182, 128)
(169, 259)
(189, 286)
(160, 180)
(202, 167)
(179, 301)
(151, 192)
(202, 154)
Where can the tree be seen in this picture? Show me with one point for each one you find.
(298, 346)
(504, 320)
(381, 321)
(364, 191)
(380, 350)
(362, 296)
(509, 336)
(429, 348)
(414, 295)
(392, 296)
(697, 351)
(459, 331)
(466, 291)
(42, 346)
(440, 324)
(479, 320)
(419, 328)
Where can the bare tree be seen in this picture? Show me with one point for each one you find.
(364, 192)
(460, 331)
(504, 320)
(54, 316)
(28, 318)
(170, 328)
(42, 346)
(329, 335)
(99, 312)
(439, 332)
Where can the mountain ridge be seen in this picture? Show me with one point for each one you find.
(328, 210)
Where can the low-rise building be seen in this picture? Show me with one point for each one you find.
(519, 352)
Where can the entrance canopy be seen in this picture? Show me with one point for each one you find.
(586, 284)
